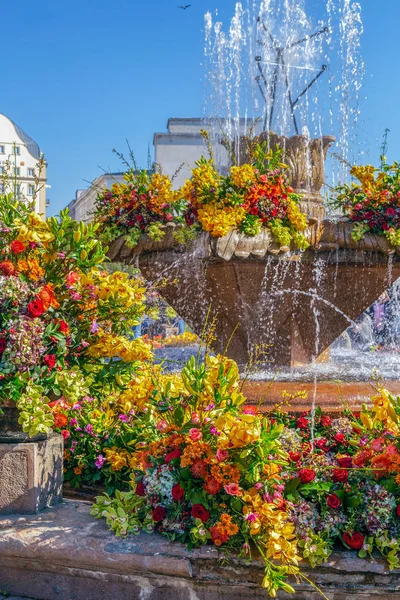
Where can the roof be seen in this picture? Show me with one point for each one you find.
(33, 147)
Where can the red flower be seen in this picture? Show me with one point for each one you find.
(3, 345)
(50, 360)
(63, 327)
(7, 268)
(140, 491)
(72, 278)
(36, 308)
(66, 434)
(306, 475)
(302, 423)
(178, 492)
(174, 454)
(17, 247)
(158, 514)
(295, 456)
(345, 462)
(340, 438)
(398, 510)
(340, 475)
(354, 541)
(322, 444)
(212, 486)
(326, 421)
(390, 212)
(333, 501)
(199, 512)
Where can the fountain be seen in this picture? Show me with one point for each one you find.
(259, 293)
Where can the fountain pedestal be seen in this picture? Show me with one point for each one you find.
(296, 305)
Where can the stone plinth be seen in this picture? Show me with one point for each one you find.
(30, 475)
(63, 554)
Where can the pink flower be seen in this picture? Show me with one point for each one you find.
(195, 434)
(99, 462)
(162, 425)
(195, 418)
(66, 434)
(252, 517)
(391, 450)
(232, 489)
(222, 455)
(377, 444)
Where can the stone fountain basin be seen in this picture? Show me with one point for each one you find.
(268, 294)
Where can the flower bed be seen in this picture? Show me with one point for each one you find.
(250, 197)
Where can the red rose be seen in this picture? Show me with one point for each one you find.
(174, 454)
(306, 475)
(390, 212)
(7, 268)
(17, 247)
(398, 510)
(140, 491)
(50, 360)
(326, 421)
(158, 514)
(354, 541)
(340, 438)
(345, 462)
(178, 492)
(302, 423)
(3, 345)
(36, 308)
(66, 434)
(322, 444)
(199, 512)
(295, 456)
(340, 475)
(333, 501)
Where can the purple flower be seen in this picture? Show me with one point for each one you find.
(214, 430)
(73, 422)
(76, 406)
(94, 328)
(123, 418)
(100, 460)
(252, 517)
(89, 428)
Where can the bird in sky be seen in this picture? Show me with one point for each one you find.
(185, 6)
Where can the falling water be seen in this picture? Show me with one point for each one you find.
(244, 72)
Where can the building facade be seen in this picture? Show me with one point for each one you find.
(82, 207)
(22, 167)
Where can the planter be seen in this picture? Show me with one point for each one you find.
(10, 429)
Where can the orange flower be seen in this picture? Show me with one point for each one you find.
(78, 470)
(60, 420)
(47, 296)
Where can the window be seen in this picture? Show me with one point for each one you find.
(1, 170)
(17, 190)
(16, 150)
(31, 172)
(31, 190)
(1, 188)
(2, 149)
(17, 171)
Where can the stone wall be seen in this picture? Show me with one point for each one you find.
(63, 554)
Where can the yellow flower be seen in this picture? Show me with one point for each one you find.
(219, 221)
(36, 230)
(296, 217)
(118, 459)
(243, 176)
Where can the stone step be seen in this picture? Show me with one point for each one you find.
(64, 554)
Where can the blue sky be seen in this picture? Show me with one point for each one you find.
(81, 77)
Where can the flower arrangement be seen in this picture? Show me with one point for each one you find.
(206, 469)
(61, 317)
(143, 203)
(343, 483)
(372, 204)
(250, 197)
